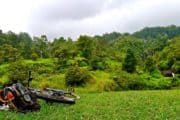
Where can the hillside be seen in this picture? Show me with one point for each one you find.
(153, 32)
(147, 59)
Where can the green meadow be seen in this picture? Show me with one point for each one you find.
(125, 105)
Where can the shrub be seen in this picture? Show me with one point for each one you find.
(176, 67)
(126, 81)
(110, 86)
(156, 81)
(156, 73)
(163, 65)
(97, 63)
(107, 85)
(164, 83)
(76, 76)
(34, 56)
(176, 81)
(18, 72)
(149, 64)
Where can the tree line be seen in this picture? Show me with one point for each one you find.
(148, 50)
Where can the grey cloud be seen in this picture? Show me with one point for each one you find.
(65, 17)
(166, 14)
(75, 17)
(69, 9)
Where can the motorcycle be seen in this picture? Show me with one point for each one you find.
(20, 98)
(54, 95)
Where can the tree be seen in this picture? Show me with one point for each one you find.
(153, 32)
(85, 46)
(130, 62)
(109, 37)
(63, 50)
(8, 53)
(149, 64)
(123, 43)
(169, 57)
(12, 39)
(41, 46)
(25, 45)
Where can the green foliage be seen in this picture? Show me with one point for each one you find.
(176, 66)
(76, 76)
(97, 63)
(41, 66)
(62, 55)
(156, 81)
(8, 54)
(25, 45)
(78, 60)
(34, 56)
(150, 64)
(85, 46)
(64, 51)
(153, 32)
(130, 62)
(18, 72)
(41, 46)
(163, 65)
(109, 37)
(126, 81)
(145, 55)
(107, 85)
(123, 43)
(168, 59)
(53, 81)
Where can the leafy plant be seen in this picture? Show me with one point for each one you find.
(76, 76)
(127, 81)
(18, 72)
(130, 62)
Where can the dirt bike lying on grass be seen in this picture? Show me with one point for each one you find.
(19, 98)
(24, 99)
(54, 95)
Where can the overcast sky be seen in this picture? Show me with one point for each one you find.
(70, 18)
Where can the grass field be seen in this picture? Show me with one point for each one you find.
(128, 105)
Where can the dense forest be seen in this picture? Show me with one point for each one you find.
(146, 59)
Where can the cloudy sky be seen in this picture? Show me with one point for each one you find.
(70, 18)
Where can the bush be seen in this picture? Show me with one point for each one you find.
(176, 67)
(156, 73)
(18, 72)
(156, 81)
(126, 81)
(76, 76)
(176, 81)
(163, 65)
(107, 85)
(149, 64)
(165, 83)
(34, 56)
(97, 63)
(110, 86)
